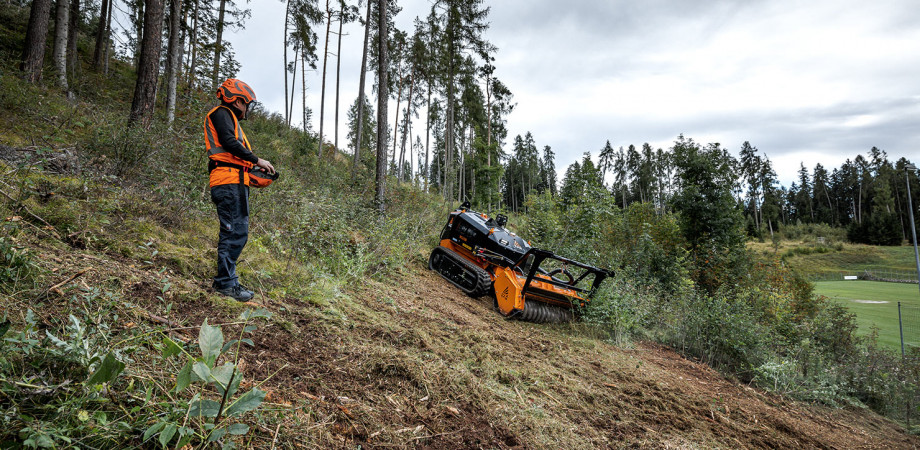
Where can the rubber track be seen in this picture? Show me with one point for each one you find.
(483, 280)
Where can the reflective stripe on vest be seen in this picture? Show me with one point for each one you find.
(225, 175)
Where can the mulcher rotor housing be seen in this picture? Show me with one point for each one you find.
(481, 257)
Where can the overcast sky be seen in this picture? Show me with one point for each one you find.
(804, 81)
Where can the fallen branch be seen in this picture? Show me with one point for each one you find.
(73, 277)
(275, 439)
(21, 205)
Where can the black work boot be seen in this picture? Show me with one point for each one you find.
(246, 289)
(237, 293)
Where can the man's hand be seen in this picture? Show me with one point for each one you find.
(266, 165)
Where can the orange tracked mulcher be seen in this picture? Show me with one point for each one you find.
(480, 256)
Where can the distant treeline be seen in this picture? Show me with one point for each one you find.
(867, 194)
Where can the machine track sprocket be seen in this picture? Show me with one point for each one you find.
(470, 278)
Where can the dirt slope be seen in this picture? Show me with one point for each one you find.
(414, 363)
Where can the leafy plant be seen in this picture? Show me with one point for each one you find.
(44, 407)
(17, 266)
(214, 410)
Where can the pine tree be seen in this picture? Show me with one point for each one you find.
(102, 34)
(148, 65)
(380, 179)
(368, 135)
(361, 98)
(463, 22)
(173, 57)
(59, 51)
(33, 52)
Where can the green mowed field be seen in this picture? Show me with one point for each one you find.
(875, 303)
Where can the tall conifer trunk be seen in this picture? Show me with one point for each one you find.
(72, 30)
(173, 58)
(367, 29)
(101, 35)
(33, 53)
(287, 16)
(322, 95)
(148, 65)
(218, 45)
(382, 95)
(59, 52)
(338, 73)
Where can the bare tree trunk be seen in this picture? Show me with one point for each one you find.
(193, 51)
(488, 120)
(149, 64)
(59, 52)
(172, 58)
(33, 53)
(398, 98)
(101, 34)
(338, 73)
(382, 95)
(139, 26)
(427, 135)
(290, 112)
(108, 39)
(303, 89)
(402, 150)
(360, 129)
(218, 45)
(287, 15)
(322, 95)
(72, 29)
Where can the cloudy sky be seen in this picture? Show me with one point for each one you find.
(804, 81)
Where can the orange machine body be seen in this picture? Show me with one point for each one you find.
(509, 284)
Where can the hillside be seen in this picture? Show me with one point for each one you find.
(412, 362)
(113, 338)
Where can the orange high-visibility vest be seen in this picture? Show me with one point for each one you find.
(222, 174)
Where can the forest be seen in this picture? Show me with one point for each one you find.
(101, 142)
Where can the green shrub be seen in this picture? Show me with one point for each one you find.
(621, 308)
(723, 333)
(52, 384)
(18, 268)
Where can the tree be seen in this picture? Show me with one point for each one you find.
(33, 52)
(709, 215)
(548, 170)
(606, 158)
(368, 127)
(824, 208)
(621, 178)
(72, 29)
(382, 96)
(173, 58)
(463, 22)
(802, 198)
(361, 100)
(148, 65)
(304, 15)
(750, 165)
(346, 14)
(102, 34)
(59, 51)
(322, 94)
(224, 66)
(218, 45)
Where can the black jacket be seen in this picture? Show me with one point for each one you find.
(226, 137)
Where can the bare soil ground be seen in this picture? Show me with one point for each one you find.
(415, 363)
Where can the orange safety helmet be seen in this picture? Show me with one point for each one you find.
(234, 89)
